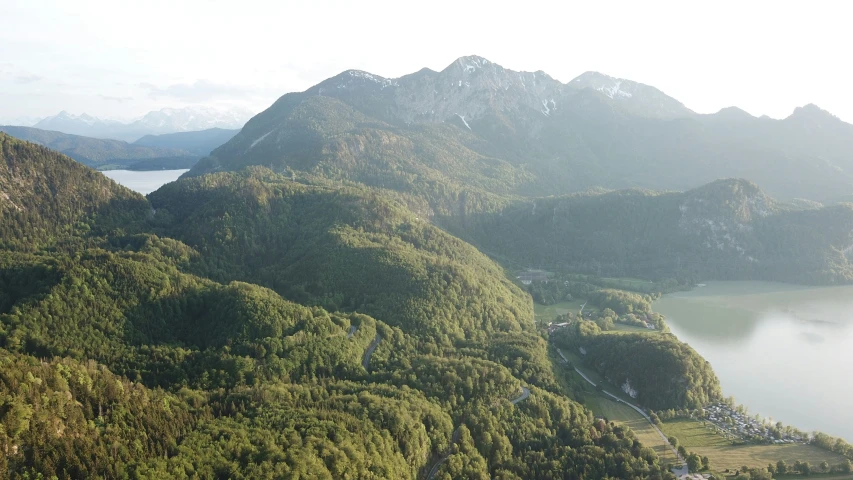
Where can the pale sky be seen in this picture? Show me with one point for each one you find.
(122, 59)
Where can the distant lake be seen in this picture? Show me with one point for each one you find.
(144, 182)
(783, 351)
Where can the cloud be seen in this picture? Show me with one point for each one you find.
(200, 91)
(27, 78)
(116, 99)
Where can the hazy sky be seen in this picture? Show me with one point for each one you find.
(122, 58)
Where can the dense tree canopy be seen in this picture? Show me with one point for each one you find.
(664, 372)
(238, 349)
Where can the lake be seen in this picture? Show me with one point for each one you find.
(783, 351)
(144, 182)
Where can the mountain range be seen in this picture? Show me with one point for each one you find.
(152, 152)
(321, 297)
(479, 128)
(167, 120)
(199, 143)
(164, 349)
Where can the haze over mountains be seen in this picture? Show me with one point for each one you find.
(152, 152)
(326, 295)
(167, 120)
(498, 131)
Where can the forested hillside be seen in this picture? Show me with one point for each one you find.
(659, 370)
(729, 229)
(248, 326)
(498, 157)
(342, 248)
(46, 197)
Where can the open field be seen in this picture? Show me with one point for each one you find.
(606, 407)
(818, 476)
(547, 313)
(692, 434)
(761, 455)
(625, 415)
(696, 438)
(595, 377)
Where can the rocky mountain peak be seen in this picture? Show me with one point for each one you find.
(609, 86)
(471, 63)
(639, 99)
(812, 113)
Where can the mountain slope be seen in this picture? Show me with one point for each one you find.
(117, 360)
(347, 249)
(524, 133)
(199, 143)
(728, 229)
(104, 154)
(46, 196)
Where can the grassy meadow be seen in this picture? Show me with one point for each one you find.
(697, 438)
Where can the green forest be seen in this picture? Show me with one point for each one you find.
(222, 328)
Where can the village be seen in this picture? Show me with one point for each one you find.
(737, 425)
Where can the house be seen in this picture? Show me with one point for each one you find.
(531, 276)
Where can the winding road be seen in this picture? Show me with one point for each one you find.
(365, 362)
(525, 394)
(682, 470)
(434, 470)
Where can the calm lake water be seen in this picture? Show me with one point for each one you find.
(144, 182)
(783, 351)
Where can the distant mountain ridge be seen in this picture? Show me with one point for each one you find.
(196, 143)
(486, 130)
(728, 229)
(106, 154)
(166, 120)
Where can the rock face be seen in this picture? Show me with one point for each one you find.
(720, 215)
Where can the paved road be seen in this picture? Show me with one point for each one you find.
(677, 471)
(525, 392)
(365, 362)
(434, 470)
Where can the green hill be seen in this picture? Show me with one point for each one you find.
(343, 248)
(729, 229)
(129, 353)
(46, 196)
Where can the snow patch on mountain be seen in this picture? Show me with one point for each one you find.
(260, 139)
(614, 91)
(461, 117)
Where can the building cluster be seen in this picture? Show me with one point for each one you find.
(735, 424)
